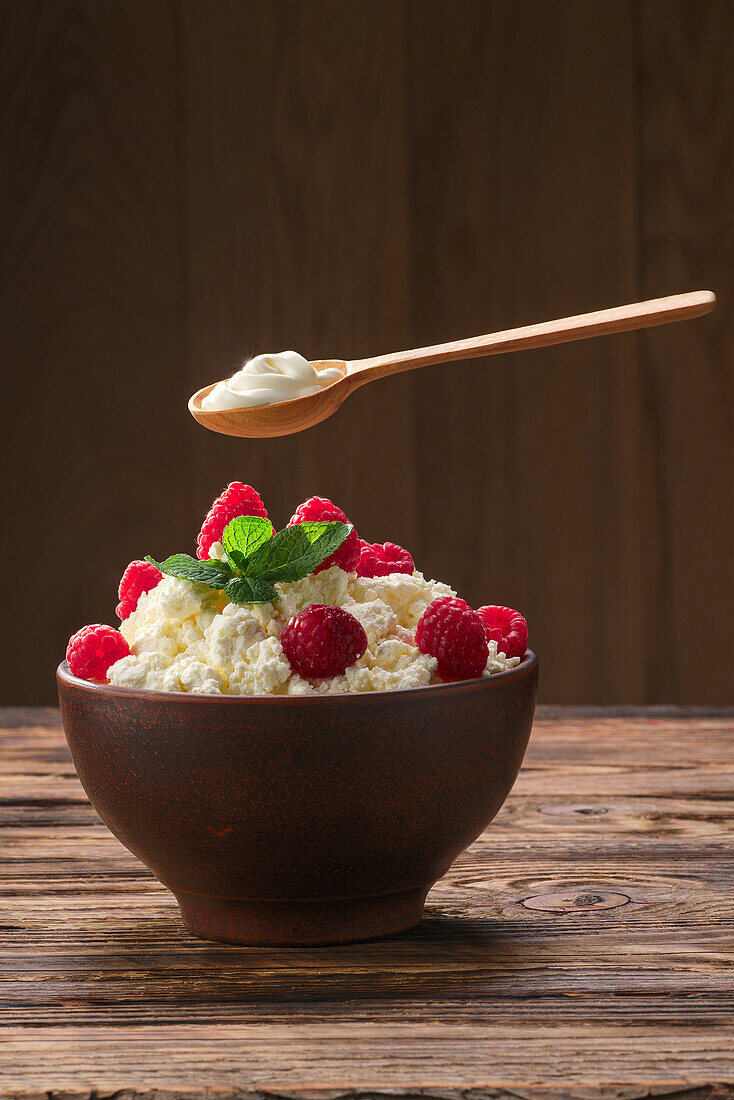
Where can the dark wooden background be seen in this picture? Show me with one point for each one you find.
(185, 182)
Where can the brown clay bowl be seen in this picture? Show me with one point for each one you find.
(300, 820)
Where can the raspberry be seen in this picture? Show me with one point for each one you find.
(506, 627)
(93, 650)
(345, 556)
(139, 577)
(323, 641)
(380, 559)
(450, 631)
(236, 500)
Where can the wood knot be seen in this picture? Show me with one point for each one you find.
(575, 901)
(563, 809)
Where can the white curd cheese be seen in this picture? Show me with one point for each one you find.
(408, 594)
(187, 637)
(160, 672)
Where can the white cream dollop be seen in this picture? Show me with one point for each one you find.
(267, 379)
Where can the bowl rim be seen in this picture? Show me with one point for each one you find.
(481, 683)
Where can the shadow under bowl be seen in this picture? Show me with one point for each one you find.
(300, 820)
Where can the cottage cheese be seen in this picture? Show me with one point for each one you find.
(187, 637)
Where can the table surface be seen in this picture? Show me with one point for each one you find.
(584, 946)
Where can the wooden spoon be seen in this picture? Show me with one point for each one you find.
(287, 417)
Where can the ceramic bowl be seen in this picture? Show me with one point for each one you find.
(300, 819)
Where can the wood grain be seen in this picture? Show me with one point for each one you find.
(102, 990)
(184, 183)
(297, 221)
(687, 230)
(90, 307)
(532, 205)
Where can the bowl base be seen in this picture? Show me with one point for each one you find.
(300, 923)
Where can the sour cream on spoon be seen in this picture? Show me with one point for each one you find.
(267, 379)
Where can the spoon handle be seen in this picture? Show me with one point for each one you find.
(657, 311)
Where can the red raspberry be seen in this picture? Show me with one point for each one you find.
(323, 641)
(452, 632)
(345, 556)
(380, 559)
(236, 500)
(139, 577)
(506, 627)
(93, 650)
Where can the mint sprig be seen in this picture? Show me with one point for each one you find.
(214, 573)
(257, 558)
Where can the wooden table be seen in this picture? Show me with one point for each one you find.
(584, 946)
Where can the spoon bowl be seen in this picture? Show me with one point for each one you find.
(287, 417)
(280, 417)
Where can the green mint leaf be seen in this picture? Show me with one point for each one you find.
(237, 561)
(245, 590)
(325, 537)
(243, 536)
(214, 573)
(315, 529)
(296, 551)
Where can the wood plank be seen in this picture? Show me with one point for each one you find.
(687, 238)
(269, 1058)
(297, 236)
(702, 1010)
(90, 303)
(524, 210)
(101, 989)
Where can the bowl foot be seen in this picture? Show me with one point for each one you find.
(300, 923)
